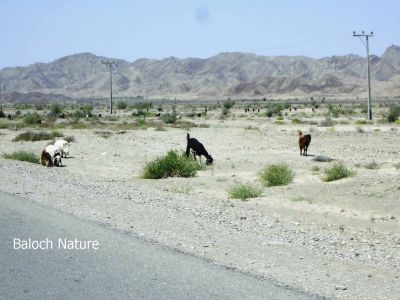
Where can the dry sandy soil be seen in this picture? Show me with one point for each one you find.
(338, 240)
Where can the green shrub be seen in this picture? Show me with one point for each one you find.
(296, 121)
(228, 104)
(37, 136)
(174, 164)
(394, 113)
(337, 172)
(57, 133)
(56, 109)
(122, 105)
(278, 174)
(225, 111)
(244, 191)
(397, 166)
(31, 118)
(169, 118)
(2, 114)
(22, 156)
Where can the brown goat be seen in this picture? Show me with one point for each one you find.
(45, 159)
(304, 142)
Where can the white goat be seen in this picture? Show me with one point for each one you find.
(63, 146)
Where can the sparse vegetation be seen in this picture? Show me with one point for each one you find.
(37, 136)
(397, 166)
(275, 175)
(122, 105)
(245, 191)
(32, 118)
(394, 113)
(22, 156)
(228, 104)
(174, 164)
(336, 172)
(169, 118)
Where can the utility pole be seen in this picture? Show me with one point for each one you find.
(110, 63)
(1, 102)
(366, 44)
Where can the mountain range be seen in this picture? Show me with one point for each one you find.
(235, 75)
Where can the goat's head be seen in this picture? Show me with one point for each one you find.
(209, 160)
(57, 159)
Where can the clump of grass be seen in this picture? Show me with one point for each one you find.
(297, 121)
(397, 166)
(394, 113)
(57, 133)
(37, 136)
(338, 171)
(173, 164)
(22, 156)
(32, 118)
(275, 175)
(169, 118)
(244, 191)
(373, 165)
(362, 122)
(249, 127)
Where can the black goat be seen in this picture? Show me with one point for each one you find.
(198, 149)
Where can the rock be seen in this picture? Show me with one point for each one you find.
(322, 158)
(340, 287)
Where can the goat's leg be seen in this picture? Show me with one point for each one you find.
(300, 151)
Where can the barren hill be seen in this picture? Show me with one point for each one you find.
(236, 75)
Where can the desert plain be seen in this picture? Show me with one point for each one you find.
(338, 239)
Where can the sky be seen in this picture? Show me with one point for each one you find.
(44, 30)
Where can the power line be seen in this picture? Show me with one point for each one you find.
(110, 63)
(366, 44)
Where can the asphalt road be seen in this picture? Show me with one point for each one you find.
(123, 267)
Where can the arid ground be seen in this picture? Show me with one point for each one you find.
(338, 239)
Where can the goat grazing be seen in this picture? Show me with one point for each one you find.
(51, 156)
(63, 146)
(304, 142)
(197, 149)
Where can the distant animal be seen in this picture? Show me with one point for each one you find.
(160, 109)
(199, 115)
(178, 117)
(51, 156)
(9, 116)
(62, 115)
(99, 115)
(158, 114)
(197, 149)
(304, 142)
(63, 146)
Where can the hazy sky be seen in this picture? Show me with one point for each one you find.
(44, 30)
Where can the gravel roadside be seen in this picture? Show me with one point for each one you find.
(329, 256)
